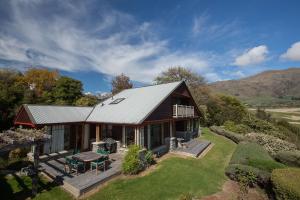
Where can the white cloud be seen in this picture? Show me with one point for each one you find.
(293, 53)
(114, 43)
(252, 56)
(203, 27)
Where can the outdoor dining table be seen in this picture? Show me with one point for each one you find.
(87, 157)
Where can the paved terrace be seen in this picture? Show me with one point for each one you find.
(193, 148)
(85, 182)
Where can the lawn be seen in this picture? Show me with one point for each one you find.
(176, 176)
(14, 187)
(173, 177)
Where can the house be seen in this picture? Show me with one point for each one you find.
(150, 117)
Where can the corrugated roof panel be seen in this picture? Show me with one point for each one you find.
(48, 114)
(138, 103)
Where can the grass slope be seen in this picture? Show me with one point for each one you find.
(176, 176)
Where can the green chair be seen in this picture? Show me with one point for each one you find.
(76, 151)
(77, 166)
(103, 152)
(100, 163)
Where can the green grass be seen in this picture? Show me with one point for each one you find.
(14, 187)
(254, 155)
(176, 176)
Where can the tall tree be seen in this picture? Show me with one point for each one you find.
(120, 83)
(179, 74)
(87, 100)
(195, 82)
(11, 95)
(67, 91)
(40, 80)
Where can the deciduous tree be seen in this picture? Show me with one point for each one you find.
(120, 83)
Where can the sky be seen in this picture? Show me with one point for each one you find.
(95, 40)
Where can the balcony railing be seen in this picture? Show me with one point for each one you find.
(183, 111)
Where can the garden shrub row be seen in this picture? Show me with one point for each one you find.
(251, 157)
(286, 184)
(254, 155)
(272, 144)
(230, 135)
(291, 158)
(262, 177)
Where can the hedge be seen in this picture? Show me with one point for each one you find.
(262, 177)
(272, 144)
(286, 184)
(291, 158)
(254, 155)
(230, 135)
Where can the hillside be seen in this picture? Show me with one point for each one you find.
(270, 88)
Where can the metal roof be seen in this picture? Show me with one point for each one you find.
(50, 114)
(137, 105)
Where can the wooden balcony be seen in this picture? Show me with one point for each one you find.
(181, 111)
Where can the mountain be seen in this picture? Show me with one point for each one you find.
(270, 88)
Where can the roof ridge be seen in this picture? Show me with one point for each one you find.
(58, 105)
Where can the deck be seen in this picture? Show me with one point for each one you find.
(193, 148)
(81, 183)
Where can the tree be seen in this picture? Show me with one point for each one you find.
(11, 95)
(120, 83)
(87, 100)
(178, 74)
(222, 108)
(67, 90)
(40, 80)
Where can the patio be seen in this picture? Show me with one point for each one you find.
(82, 183)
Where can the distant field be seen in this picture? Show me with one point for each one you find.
(292, 115)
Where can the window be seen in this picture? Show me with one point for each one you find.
(117, 101)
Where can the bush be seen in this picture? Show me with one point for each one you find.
(272, 144)
(230, 135)
(237, 128)
(262, 178)
(254, 155)
(291, 158)
(286, 183)
(149, 158)
(132, 163)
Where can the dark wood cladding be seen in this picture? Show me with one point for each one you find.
(165, 109)
(22, 118)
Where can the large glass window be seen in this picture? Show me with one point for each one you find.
(129, 136)
(67, 137)
(156, 135)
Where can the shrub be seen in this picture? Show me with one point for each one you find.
(262, 178)
(149, 158)
(230, 135)
(186, 196)
(272, 144)
(237, 128)
(286, 183)
(254, 155)
(291, 158)
(132, 164)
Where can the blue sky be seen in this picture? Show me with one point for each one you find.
(95, 40)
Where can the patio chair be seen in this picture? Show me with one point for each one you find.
(100, 163)
(103, 152)
(77, 166)
(67, 165)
